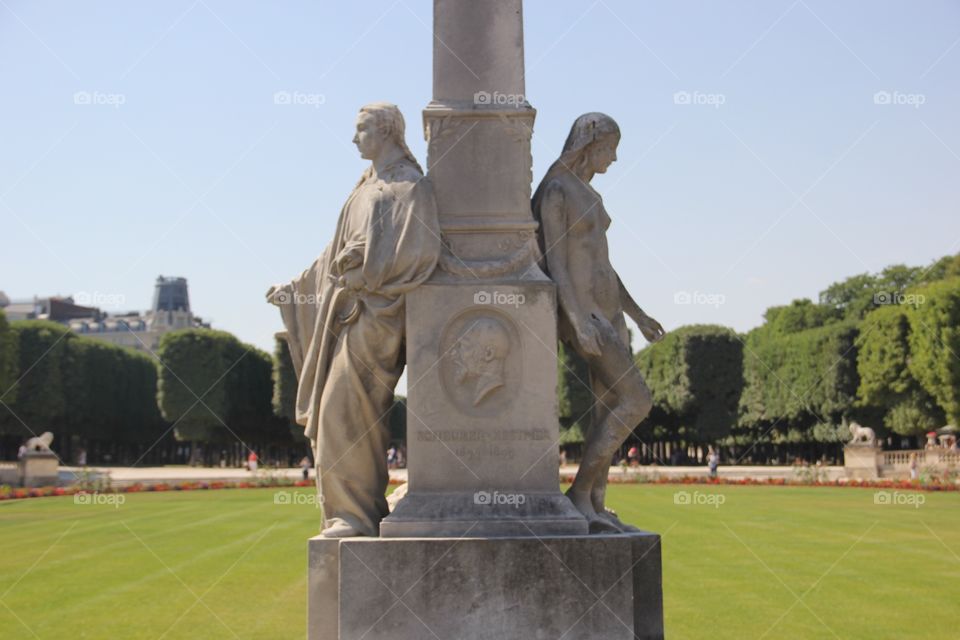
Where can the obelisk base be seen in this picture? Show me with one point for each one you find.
(575, 587)
(457, 515)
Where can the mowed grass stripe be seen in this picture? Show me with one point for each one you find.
(103, 583)
(170, 521)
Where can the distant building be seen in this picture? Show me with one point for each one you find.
(170, 311)
(56, 308)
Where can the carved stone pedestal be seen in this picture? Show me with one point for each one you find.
(481, 427)
(860, 461)
(39, 469)
(575, 587)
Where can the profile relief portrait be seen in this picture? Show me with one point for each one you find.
(479, 358)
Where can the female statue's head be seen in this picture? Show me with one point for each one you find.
(380, 128)
(591, 146)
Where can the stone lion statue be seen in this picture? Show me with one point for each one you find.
(862, 435)
(41, 442)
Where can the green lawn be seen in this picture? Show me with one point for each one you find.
(767, 563)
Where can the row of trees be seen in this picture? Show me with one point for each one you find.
(881, 349)
(90, 394)
(218, 393)
(208, 398)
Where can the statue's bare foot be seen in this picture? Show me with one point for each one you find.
(340, 529)
(583, 503)
(611, 517)
(603, 525)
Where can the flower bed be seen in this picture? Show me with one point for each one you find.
(14, 493)
(911, 485)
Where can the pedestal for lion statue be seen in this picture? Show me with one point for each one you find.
(861, 456)
(39, 466)
(478, 285)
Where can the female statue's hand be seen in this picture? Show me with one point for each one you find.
(650, 328)
(590, 338)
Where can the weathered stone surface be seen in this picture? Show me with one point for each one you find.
(39, 469)
(481, 424)
(577, 587)
(861, 462)
(323, 575)
(344, 322)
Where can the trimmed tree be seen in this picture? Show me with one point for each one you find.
(935, 343)
(41, 401)
(695, 374)
(793, 381)
(192, 387)
(887, 386)
(574, 397)
(285, 388)
(9, 361)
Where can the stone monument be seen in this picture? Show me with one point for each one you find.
(483, 544)
(38, 466)
(862, 456)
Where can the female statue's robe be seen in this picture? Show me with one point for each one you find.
(347, 347)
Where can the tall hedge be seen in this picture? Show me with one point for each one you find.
(284, 380)
(9, 362)
(796, 380)
(192, 387)
(82, 387)
(575, 400)
(696, 376)
(250, 395)
(217, 389)
(887, 386)
(41, 401)
(935, 343)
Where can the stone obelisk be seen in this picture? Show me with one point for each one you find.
(484, 545)
(482, 428)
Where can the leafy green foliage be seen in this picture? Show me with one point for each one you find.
(111, 392)
(41, 402)
(935, 343)
(82, 387)
(695, 374)
(192, 388)
(798, 316)
(285, 388)
(856, 296)
(799, 379)
(216, 388)
(9, 361)
(396, 419)
(886, 382)
(284, 381)
(249, 382)
(574, 396)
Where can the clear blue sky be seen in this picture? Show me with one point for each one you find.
(798, 179)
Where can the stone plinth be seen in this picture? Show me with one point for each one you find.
(39, 469)
(861, 461)
(481, 428)
(575, 587)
